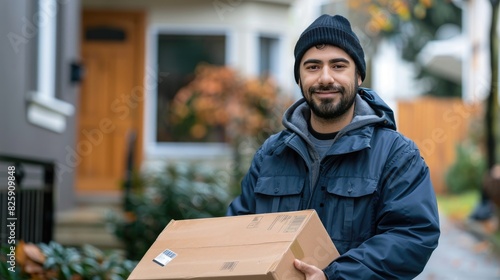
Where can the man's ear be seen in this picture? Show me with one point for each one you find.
(359, 79)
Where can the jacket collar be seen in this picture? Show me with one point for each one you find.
(370, 111)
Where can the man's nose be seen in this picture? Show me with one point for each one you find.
(326, 76)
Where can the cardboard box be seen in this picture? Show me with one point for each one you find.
(253, 247)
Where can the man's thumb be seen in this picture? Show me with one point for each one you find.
(300, 265)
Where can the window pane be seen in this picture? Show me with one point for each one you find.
(268, 58)
(178, 56)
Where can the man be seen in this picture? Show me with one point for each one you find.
(341, 155)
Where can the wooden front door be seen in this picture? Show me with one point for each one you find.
(111, 102)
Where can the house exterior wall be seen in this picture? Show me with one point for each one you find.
(18, 47)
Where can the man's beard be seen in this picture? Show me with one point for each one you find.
(327, 109)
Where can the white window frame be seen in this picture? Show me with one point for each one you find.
(276, 54)
(44, 109)
(175, 150)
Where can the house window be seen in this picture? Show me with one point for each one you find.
(268, 57)
(44, 109)
(177, 58)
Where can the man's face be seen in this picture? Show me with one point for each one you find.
(328, 81)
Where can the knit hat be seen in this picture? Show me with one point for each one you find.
(331, 30)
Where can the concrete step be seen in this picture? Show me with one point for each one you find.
(86, 224)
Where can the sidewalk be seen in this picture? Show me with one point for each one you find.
(461, 255)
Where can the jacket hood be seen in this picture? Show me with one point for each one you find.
(369, 109)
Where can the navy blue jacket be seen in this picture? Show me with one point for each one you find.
(372, 190)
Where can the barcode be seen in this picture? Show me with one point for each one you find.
(255, 222)
(228, 266)
(169, 254)
(278, 219)
(295, 223)
(165, 257)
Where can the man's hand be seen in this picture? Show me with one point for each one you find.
(310, 271)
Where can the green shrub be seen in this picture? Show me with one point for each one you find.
(466, 172)
(68, 263)
(88, 262)
(181, 191)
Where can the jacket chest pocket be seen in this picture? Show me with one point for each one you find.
(279, 193)
(350, 212)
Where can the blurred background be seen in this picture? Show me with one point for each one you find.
(118, 116)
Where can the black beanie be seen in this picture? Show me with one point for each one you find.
(330, 30)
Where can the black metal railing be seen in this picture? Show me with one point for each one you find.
(27, 212)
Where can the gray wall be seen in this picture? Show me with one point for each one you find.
(18, 77)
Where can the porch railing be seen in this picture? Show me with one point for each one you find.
(27, 211)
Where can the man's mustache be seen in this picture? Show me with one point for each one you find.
(320, 88)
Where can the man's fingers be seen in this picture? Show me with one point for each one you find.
(311, 272)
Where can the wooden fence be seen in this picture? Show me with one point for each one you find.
(436, 125)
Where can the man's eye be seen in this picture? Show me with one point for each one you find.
(312, 67)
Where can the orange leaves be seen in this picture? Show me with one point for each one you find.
(426, 3)
(382, 15)
(401, 9)
(31, 259)
(219, 97)
(380, 20)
